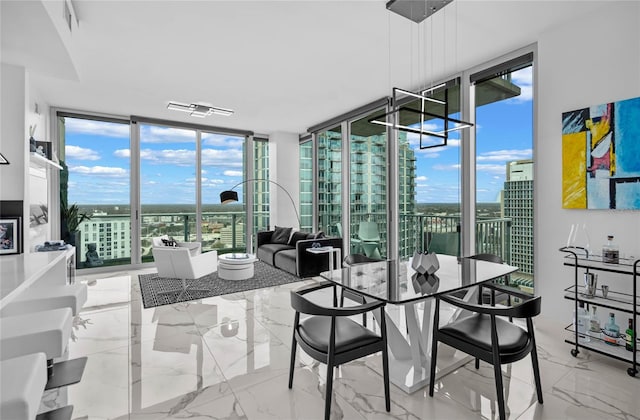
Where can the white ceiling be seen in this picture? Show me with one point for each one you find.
(281, 65)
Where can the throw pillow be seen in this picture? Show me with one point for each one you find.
(169, 242)
(281, 235)
(297, 236)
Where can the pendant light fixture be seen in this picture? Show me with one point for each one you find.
(417, 11)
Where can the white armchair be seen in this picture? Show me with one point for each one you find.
(195, 248)
(179, 263)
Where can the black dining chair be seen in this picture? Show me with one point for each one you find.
(490, 295)
(329, 336)
(486, 335)
(351, 260)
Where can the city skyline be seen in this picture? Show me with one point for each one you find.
(98, 158)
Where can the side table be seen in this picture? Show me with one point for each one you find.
(329, 250)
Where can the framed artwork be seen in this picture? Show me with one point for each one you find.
(600, 149)
(10, 236)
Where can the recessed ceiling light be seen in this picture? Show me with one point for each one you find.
(198, 110)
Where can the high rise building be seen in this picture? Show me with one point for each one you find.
(368, 201)
(518, 206)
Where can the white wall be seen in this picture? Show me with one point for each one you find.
(591, 60)
(13, 135)
(284, 155)
(17, 114)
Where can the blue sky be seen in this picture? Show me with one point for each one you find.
(98, 155)
(503, 133)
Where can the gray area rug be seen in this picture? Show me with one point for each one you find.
(151, 285)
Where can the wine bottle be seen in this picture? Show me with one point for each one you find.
(610, 251)
(611, 330)
(629, 336)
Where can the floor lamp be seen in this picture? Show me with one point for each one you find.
(231, 196)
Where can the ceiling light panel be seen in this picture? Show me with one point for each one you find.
(199, 110)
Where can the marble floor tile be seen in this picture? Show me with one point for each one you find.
(227, 357)
(100, 330)
(104, 391)
(272, 399)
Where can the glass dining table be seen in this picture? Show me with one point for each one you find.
(409, 296)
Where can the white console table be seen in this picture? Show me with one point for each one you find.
(18, 272)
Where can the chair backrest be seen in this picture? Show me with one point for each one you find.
(368, 231)
(353, 259)
(488, 257)
(163, 261)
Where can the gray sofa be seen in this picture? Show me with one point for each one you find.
(287, 251)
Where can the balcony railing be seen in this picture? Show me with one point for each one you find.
(225, 232)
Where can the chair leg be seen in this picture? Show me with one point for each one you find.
(432, 375)
(294, 346)
(434, 347)
(534, 361)
(499, 388)
(477, 363)
(327, 397)
(385, 377)
(496, 368)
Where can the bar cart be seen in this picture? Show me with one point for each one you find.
(580, 258)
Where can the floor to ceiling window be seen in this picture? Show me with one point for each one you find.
(330, 181)
(167, 184)
(368, 186)
(163, 179)
(429, 177)
(94, 153)
(504, 164)
(222, 167)
(306, 184)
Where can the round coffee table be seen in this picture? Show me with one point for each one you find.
(236, 266)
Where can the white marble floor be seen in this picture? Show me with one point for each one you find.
(227, 357)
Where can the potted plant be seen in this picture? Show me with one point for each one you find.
(70, 218)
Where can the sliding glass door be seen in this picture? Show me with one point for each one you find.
(95, 156)
(368, 187)
(504, 164)
(167, 185)
(329, 143)
(429, 177)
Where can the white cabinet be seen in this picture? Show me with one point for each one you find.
(627, 303)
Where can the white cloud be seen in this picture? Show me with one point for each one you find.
(493, 169)
(99, 171)
(505, 155)
(227, 158)
(232, 173)
(421, 178)
(219, 140)
(122, 153)
(524, 79)
(212, 182)
(80, 153)
(178, 157)
(155, 134)
(452, 167)
(100, 128)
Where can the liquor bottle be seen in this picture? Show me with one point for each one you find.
(610, 251)
(629, 336)
(581, 322)
(611, 330)
(594, 324)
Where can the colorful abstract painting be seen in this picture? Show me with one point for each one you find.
(601, 156)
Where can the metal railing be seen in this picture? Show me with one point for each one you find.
(225, 232)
